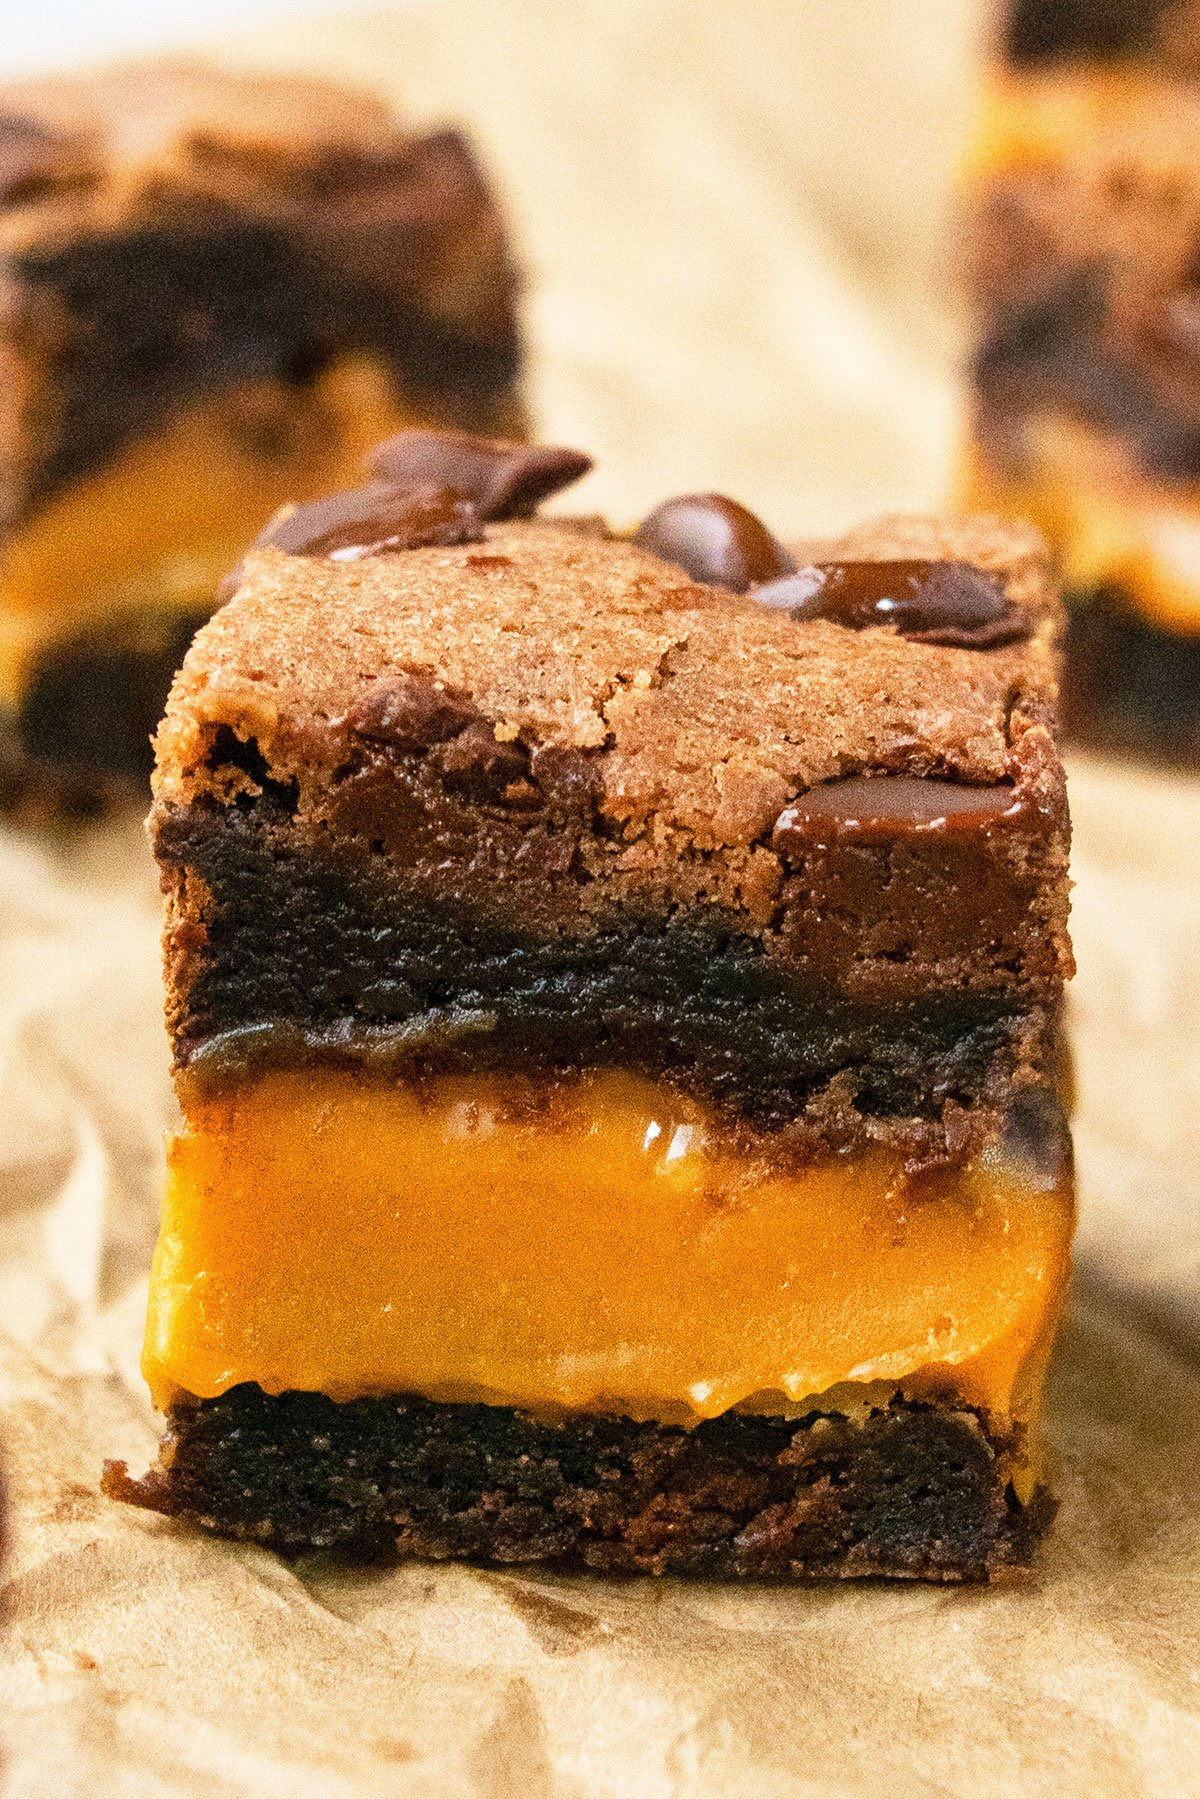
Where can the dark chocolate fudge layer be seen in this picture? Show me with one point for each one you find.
(912, 1491)
(84, 734)
(624, 850)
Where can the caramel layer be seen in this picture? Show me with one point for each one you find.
(594, 1245)
(1034, 119)
(159, 525)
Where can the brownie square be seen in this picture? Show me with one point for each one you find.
(217, 290)
(615, 992)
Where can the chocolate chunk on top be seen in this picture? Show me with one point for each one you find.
(371, 520)
(715, 539)
(946, 602)
(503, 479)
(411, 712)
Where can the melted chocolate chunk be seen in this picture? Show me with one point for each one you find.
(503, 479)
(950, 603)
(477, 765)
(369, 521)
(411, 712)
(894, 806)
(715, 540)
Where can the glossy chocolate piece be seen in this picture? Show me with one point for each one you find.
(503, 479)
(950, 603)
(411, 712)
(715, 540)
(372, 520)
(895, 806)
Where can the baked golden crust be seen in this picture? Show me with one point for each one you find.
(708, 711)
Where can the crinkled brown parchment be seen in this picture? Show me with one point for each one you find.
(751, 312)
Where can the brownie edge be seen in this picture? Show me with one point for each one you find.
(914, 1491)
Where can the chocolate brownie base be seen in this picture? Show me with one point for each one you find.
(914, 1491)
(1130, 686)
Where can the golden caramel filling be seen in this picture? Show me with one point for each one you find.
(596, 1245)
(1033, 118)
(1109, 524)
(160, 524)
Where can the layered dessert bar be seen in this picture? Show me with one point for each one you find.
(615, 986)
(1085, 203)
(216, 292)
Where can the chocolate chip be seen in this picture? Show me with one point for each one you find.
(477, 765)
(950, 603)
(411, 712)
(505, 480)
(889, 806)
(715, 540)
(567, 778)
(369, 521)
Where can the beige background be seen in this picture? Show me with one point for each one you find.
(733, 219)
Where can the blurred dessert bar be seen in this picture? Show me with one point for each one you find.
(1038, 32)
(1084, 250)
(216, 292)
(614, 986)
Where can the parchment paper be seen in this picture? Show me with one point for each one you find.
(732, 217)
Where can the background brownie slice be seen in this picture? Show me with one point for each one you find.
(1082, 236)
(218, 291)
